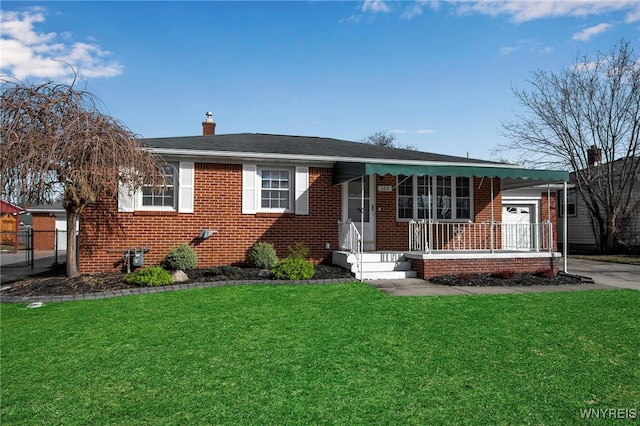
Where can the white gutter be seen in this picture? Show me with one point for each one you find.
(317, 158)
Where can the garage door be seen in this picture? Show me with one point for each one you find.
(517, 228)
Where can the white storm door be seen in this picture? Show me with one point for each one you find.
(358, 199)
(517, 232)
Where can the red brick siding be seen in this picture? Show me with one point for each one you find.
(393, 234)
(390, 234)
(548, 212)
(429, 268)
(44, 236)
(217, 206)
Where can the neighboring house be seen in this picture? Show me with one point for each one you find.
(10, 222)
(580, 233)
(49, 224)
(418, 213)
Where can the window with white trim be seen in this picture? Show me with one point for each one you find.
(176, 195)
(275, 189)
(437, 197)
(162, 197)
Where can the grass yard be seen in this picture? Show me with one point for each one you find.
(322, 354)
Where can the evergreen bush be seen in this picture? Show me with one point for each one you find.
(262, 255)
(183, 258)
(294, 267)
(152, 276)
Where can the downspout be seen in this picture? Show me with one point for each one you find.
(565, 244)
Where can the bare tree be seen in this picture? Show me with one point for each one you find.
(587, 119)
(383, 138)
(57, 144)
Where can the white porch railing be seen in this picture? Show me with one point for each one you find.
(426, 236)
(351, 241)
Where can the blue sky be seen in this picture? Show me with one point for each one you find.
(439, 75)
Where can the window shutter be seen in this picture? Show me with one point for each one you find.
(302, 190)
(125, 199)
(185, 187)
(249, 188)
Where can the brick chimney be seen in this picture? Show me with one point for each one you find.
(208, 126)
(594, 156)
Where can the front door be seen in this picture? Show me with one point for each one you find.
(517, 232)
(358, 201)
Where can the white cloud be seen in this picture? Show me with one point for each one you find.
(587, 33)
(376, 6)
(529, 10)
(424, 132)
(529, 45)
(28, 53)
(633, 16)
(508, 50)
(415, 8)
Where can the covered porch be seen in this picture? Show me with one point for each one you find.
(427, 244)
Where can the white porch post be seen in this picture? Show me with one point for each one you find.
(565, 244)
(492, 219)
(429, 213)
(550, 242)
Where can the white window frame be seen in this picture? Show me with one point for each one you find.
(174, 185)
(433, 184)
(252, 189)
(182, 198)
(290, 190)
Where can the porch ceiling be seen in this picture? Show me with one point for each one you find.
(346, 171)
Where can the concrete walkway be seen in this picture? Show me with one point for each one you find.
(606, 276)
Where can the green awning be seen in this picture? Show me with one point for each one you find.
(346, 171)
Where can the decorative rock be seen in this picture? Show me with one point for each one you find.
(179, 276)
(264, 273)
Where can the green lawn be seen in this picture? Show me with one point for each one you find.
(321, 354)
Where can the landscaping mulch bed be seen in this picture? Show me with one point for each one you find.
(518, 279)
(55, 283)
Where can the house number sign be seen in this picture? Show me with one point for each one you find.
(385, 188)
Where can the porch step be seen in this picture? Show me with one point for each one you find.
(388, 275)
(376, 266)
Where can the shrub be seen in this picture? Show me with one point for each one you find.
(545, 273)
(262, 255)
(299, 250)
(466, 277)
(152, 276)
(294, 267)
(505, 274)
(183, 257)
(228, 271)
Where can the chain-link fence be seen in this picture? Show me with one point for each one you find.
(32, 248)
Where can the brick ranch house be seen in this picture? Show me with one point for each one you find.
(362, 206)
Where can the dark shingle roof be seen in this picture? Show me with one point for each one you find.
(257, 143)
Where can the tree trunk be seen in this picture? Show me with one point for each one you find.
(610, 235)
(72, 246)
